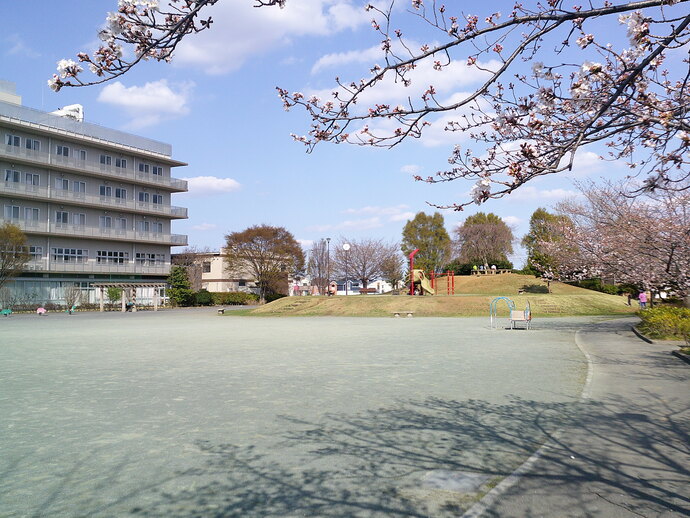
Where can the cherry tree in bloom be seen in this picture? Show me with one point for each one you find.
(151, 31)
(643, 240)
(581, 91)
(551, 83)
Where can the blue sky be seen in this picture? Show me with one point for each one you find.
(217, 106)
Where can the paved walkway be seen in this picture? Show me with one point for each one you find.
(629, 454)
(187, 414)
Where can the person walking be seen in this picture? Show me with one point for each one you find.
(642, 297)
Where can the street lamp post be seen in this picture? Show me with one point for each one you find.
(328, 261)
(346, 247)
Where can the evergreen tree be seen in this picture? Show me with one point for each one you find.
(429, 235)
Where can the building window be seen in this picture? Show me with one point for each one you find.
(12, 211)
(31, 214)
(12, 140)
(157, 170)
(144, 197)
(33, 144)
(206, 267)
(143, 226)
(157, 228)
(106, 160)
(121, 163)
(62, 151)
(121, 223)
(12, 176)
(79, 187)
(81, 154)
(105, 190)
(143, 258)
(121, 193)
(105, 221)
(61, 217)
(143, 168)
(79, 219)
(112, 257)
(36, 253)
(61, 184)
(32, 179)
(70, 255)
(157, 199)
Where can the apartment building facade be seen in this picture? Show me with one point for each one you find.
(94, 203)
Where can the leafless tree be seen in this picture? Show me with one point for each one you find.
(13, 252)
(318, 265)
(192, 258)
(364, 260)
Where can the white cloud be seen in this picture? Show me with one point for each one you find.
(530, 193)
(354, 224)
(241, 31)
(306, 243)
(367, 56)
(379, 211)
(403, 216)
(18, 47)
(205, 226)
(210, 185)
(512, 221)
(391, 214)
(149, 104)
(411, 169)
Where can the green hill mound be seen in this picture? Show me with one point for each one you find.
(472, 298)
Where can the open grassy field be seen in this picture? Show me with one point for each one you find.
(472, 298)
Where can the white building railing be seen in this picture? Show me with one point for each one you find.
(83, 231)
(42, 158)
(80, 198)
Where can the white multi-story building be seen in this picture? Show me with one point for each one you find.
(95, 203)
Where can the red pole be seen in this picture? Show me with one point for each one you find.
(453, 282)
(412, 270)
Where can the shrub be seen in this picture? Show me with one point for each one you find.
(270, 297)
(234, 298)
(203, 298)
(666, 322)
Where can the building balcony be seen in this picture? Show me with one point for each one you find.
(35, 192)
(85, 232)
(73, 165)
(93, 266)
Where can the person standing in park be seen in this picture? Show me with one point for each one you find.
(642, 297)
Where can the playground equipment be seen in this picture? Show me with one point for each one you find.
(421, 281)
(515, 314)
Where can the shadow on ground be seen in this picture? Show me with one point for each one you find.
(409, 460)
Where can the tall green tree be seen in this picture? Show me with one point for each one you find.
(485, 239)
(429, 234)
(13, 252)
(267, 253)
(543, 228)
(180, 292)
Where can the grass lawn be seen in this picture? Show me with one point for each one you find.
(473, 295)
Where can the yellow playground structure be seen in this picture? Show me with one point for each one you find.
(422, 284)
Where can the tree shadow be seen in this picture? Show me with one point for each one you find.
(377, 463)
(534, 288)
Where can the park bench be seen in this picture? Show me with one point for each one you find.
(520, 316)
(409, 314)
(365, 291)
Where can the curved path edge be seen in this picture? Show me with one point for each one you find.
(629, 456)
